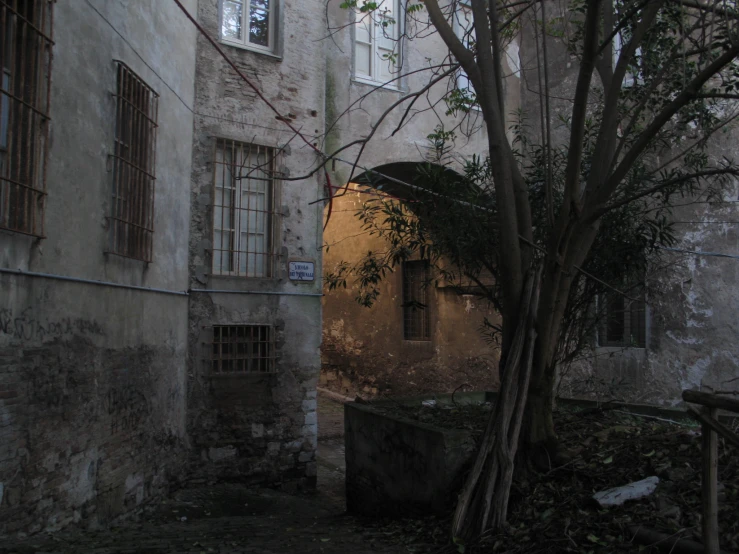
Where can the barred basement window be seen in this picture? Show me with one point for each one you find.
(132, 219)
(416, 320)
(244, 216)
(25, 60)
(243, 348)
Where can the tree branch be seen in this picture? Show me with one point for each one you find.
(666, 184)
(683, 98)
(580, 107)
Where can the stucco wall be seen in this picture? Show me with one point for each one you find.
(259, 427)
(352, 107)
(92, 378)
(364, 350)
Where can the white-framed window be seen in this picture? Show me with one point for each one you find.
(463, 26)
(377, 53)
(250, 23)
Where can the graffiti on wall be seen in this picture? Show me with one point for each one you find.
(127, 407)
(28, 326)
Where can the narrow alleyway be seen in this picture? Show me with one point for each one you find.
(232, 518)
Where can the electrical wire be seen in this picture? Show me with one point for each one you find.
(699, 253)
(354, 164)
(173, 91)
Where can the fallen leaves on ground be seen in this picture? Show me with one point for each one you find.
(554, 512)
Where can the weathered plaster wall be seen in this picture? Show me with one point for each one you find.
(691, 324)
(92, 378)
(363, 349)
(352, 107)
(259, 427)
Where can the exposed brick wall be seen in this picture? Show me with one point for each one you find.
(83, 436)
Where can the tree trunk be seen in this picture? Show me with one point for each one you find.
(539, 441)
(483, 502)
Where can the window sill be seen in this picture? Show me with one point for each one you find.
(238, 280)
(615, 348)
(376, 84)
(238, 375)
(255, 50)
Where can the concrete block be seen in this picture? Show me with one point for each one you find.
(311, 418)
(306, 456)
(309, 405)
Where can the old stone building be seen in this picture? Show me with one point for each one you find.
(94, 216)
(161, 233)
(255, 319)
(159, 305)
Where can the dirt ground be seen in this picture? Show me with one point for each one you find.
(229, 518)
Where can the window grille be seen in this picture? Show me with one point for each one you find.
(25, 60)
(132, 219)
(244, 216)
(416, 320)
(243, 348)
(623, 323)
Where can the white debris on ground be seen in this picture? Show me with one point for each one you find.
(633, 491)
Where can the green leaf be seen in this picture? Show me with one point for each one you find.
(547, 514)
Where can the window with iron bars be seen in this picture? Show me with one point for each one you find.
(134, 159)
(243, 348)
(244, 209)
(25, 59)
(624, 322)
(416, 320)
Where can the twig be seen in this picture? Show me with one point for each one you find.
(455, 391)
(654, 417)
